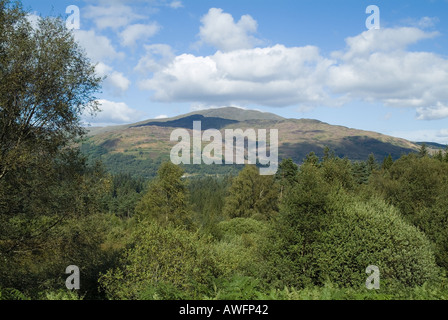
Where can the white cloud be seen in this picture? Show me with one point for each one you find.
(115, 82)
(176, 4)
(112, 16)
(162, 116)
(382, 40)
(427, 22)
(438, 136)
(157, 57)
(443, 133)
(439, 111)
(273, 76)
(135, 32)
(98, 47)
(220, 30)
(114, 113)
(378, 67)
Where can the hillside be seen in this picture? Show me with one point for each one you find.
(146, 143)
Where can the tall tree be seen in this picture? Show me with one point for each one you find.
(252, 195)
(423, 152)
(387, 162)
(166, 200)
(287, 175)
(46, 82)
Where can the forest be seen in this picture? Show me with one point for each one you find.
(307, 233)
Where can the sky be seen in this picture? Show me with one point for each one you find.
(316, 59)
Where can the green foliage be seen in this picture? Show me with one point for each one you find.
(46, 83)
(207, 195)
(161, 255)
(12, 294)
(418, 187)
(237, 288)
(387, 163)
(287, 175)
(252, 195)
(236, 252)
(325, 233)
(61, 295)
(166, 200)
(124, 194)
(372, 233)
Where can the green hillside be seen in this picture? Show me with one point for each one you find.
(138, 148)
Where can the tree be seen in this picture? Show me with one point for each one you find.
(387, 162)
(312, 158)
(372, 165)
(423, 152)
(46, 82)
(166, 200)
(325, 232)
(252, 195)
(439, 156)
(287, 175)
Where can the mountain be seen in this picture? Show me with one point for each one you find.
(144, 144)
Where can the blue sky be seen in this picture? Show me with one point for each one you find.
(299, 59)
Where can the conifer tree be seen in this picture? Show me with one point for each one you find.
(166, 200)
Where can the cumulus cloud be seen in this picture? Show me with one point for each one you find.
(115, 81)
(220, 30)
(439, 111)
(377, 67)
(133, 33)
(382, 40)
(157, 57)
(273, 76)
(114, 113)
(98, 47)
(162, 116)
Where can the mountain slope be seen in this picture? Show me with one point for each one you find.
(149, 141)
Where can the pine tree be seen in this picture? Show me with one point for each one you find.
(372, 165)
(423, 152)
(166, 199)
(387, 162)
(287, 175)
(312, 158)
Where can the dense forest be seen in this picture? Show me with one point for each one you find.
(309, 232)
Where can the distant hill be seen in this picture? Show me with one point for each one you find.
(432, 145)
(142, 145)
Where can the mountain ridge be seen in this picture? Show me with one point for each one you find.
(149, 140)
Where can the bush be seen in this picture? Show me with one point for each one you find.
(373, 233)
(237, 252)
(177, 259)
